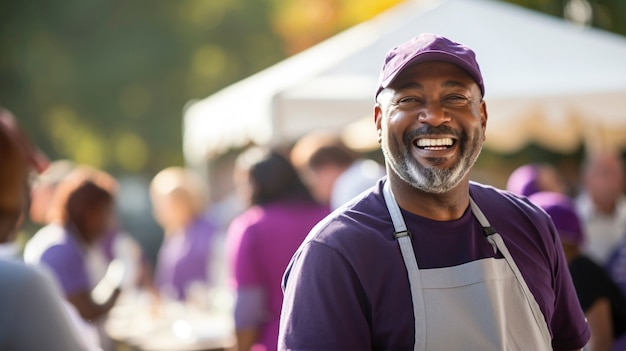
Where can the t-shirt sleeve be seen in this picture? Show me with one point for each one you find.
(323, 306)
(68, 268)
(249, 310)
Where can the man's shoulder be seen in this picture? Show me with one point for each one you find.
(484, 192)
(493, 200)
(487, 190)
(358, 220)
(510, 213)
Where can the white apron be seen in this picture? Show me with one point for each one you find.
(480, 305)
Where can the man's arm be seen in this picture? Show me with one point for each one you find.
(321, 307)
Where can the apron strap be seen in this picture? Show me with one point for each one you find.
(488, 230)
(406, 247)
(498, 244)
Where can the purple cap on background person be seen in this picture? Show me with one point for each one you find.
(564, 215)
(428, 47)
(524, 180)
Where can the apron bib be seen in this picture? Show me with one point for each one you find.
(479, 305)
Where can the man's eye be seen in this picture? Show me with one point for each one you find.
(455, 100)
(408, 102)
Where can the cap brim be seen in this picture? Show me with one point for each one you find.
(434, 56)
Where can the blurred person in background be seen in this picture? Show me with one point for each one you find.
(599, 296)
(81, 215)
(262, 239)
(34, 314)
(602, 204)
(535, 177)
(116, 244)
(15, 145)
(179, 199)
(333, 172)
(37, 159)
(43, 189)
(38, 162)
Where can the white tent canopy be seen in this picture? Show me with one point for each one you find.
(547, 80)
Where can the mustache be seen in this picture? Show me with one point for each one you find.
(430, 130)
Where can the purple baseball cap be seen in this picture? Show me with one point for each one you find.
(428, 47)
(564, 215)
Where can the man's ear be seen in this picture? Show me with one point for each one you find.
(378, 117)
(483, 118)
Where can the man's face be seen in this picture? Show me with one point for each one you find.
(431, 123)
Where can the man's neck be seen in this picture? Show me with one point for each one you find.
(440, 207)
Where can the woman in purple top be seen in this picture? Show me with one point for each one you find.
(81, 213)
(261, 241)
(179, 198)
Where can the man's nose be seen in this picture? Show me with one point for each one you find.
(434, 114)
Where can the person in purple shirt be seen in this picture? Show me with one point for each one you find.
(69, 246)
(80, 214)
(179, 198)
(427, 259)
(262, 239)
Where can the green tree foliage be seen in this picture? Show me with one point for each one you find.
(609, 15)
(104, 82)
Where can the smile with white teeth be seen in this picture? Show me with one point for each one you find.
(434, 144)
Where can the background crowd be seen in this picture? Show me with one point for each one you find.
(591, 222)
(81, 247)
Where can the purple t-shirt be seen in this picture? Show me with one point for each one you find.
(184, 258)
(62, 253)
(260, 243)
(347, 286)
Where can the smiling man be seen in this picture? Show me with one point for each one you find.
(429, 260)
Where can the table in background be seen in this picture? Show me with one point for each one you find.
(135, 324)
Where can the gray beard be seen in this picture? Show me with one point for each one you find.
(430, 179)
